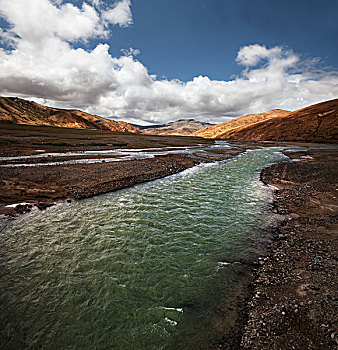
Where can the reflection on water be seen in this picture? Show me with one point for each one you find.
(142, 268)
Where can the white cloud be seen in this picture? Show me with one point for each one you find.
(251, 55)
(35, 21)
(120, 14)
(96, 3)
(130, 52)
(42, 64)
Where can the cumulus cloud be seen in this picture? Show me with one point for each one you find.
(251, 55)
(40, 62)
(120, 14)
(35, 21)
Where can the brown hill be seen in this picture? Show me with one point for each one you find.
(15, 110)
(217, 131)
(181, 127)
(316, 123)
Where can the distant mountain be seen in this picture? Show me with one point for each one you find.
(142, 127)
(15, 110)
(220, 130)
(316, 123)
(183, 127)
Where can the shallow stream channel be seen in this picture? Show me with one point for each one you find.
(149, 267)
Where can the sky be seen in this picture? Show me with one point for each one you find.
(155, 61)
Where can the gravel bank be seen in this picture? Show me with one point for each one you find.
(294, 294)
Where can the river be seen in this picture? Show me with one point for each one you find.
(142, 268)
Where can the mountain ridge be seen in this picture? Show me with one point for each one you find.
(218, 130)
(180, 127)
(14, 110)
(315, 123)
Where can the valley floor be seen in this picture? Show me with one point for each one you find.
(294, 287)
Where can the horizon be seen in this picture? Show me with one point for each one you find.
(126, 60)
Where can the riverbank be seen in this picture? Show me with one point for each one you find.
(42, 186)
(293, 304)
(46, 185)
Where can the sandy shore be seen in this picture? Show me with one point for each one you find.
(294, 294)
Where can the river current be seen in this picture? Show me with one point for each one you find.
(142, 268)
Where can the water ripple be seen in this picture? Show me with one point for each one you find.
(141, 268)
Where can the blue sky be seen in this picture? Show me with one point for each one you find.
(209, 60)
(183, 39)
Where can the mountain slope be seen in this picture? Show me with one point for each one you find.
(183, 127)
(217, 131)
(15, 110)
(316, 123)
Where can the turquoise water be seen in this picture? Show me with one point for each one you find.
(142, 268)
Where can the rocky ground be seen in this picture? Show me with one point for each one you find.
(294, 291)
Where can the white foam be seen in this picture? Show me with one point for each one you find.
(221, 264)
(172, 322)
(16, 204)
(178, 309)
(221, 144)
(207, 165)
